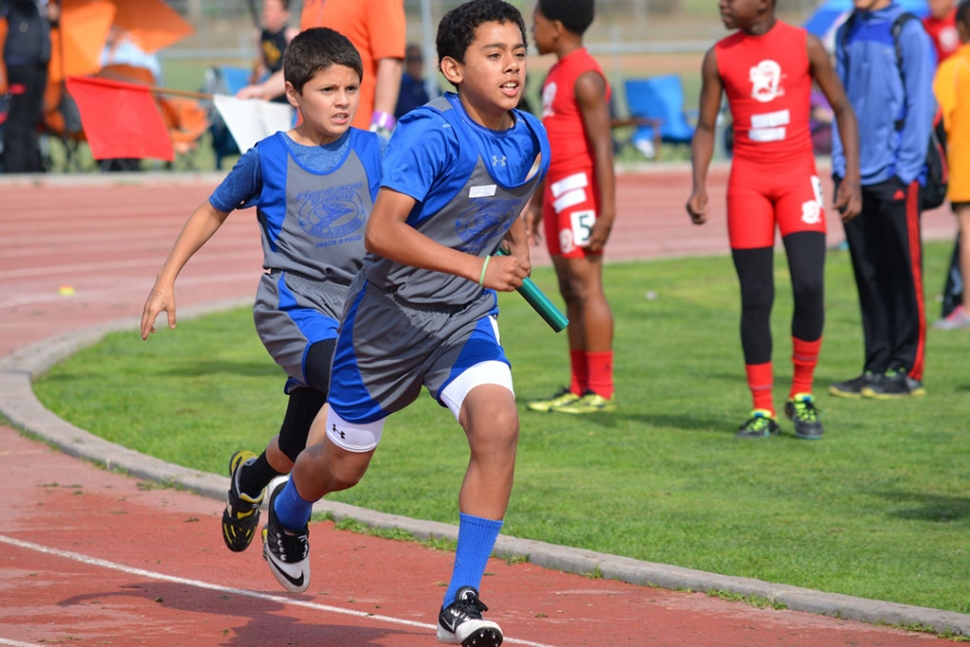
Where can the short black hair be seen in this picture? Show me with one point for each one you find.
(456, 31)
(316, 49)
(575, 15)
(963, 13)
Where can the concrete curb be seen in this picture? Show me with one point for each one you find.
(21, 406)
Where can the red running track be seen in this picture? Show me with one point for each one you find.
(92, 557)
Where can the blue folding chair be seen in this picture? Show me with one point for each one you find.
(660, 98)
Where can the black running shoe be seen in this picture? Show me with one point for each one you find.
(853, 388)
(892, 386)
(801, 411)
(241, 516)
(895, 384)
(761, 424)
(286, 551)
(461, 623)
(916, 388)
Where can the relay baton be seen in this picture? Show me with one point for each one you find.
(540, 302)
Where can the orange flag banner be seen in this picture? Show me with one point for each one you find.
(120, 119)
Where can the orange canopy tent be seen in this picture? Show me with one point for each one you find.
(84, 24)
(78, 42)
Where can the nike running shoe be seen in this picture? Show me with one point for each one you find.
(286, 551)
(241, 516)
(761, 424)
(461, 622)
(589, 403)
(801, 410)
(563, 396)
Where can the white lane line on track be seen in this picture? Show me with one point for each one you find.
(279, 599)
(14, 643)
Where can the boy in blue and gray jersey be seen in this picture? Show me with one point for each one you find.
(313, 188)
(892, 95)
(457, 175)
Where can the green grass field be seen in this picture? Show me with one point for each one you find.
(880, 508)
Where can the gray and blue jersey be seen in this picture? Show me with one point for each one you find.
(470, 184)
(312, 205)
(406, 327)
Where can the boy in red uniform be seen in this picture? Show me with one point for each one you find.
(577, 205)
(766, 69)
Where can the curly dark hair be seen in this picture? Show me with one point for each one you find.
(575, 15)
(316, 49)
(456, 31)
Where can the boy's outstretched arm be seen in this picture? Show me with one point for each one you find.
(848, 199)
(389, 235)
(200, 226)
(702, 146)
(590, 94)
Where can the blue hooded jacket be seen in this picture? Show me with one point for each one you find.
(894, 124)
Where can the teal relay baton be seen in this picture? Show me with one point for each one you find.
(540, 302)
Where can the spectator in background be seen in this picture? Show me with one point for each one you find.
(576, 207)
(952, 89)
(893, 99)
(941, 26)
(377, 29)
(271, 41)
(413, 92)
(767, 69)
(26, 52)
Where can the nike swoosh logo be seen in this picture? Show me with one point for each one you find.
(295, 581)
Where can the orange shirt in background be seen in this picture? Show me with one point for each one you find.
(952, 89)
(377, 28)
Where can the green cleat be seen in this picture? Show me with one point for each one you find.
(563, 396)
(761, 424)
(801, 410)
(589, 403)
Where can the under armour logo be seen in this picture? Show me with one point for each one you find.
(498, 160)
(343, 435)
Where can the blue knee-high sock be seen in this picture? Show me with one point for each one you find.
(476, 538)
(292, 510)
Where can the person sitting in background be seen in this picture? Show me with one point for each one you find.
(271, 41)
(414, 91)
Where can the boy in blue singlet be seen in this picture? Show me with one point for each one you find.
(457, 174)
(313, 188)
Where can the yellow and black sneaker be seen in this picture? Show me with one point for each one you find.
(563, 396)
(589, 403)
(241, 516)
(761, 424)
(801, 410)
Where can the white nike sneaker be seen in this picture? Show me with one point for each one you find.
(286, 551)
(461, 622)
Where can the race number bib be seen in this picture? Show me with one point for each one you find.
(582, 226)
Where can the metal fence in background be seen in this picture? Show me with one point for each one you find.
(224, 27)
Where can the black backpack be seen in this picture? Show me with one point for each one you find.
(933, 193)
